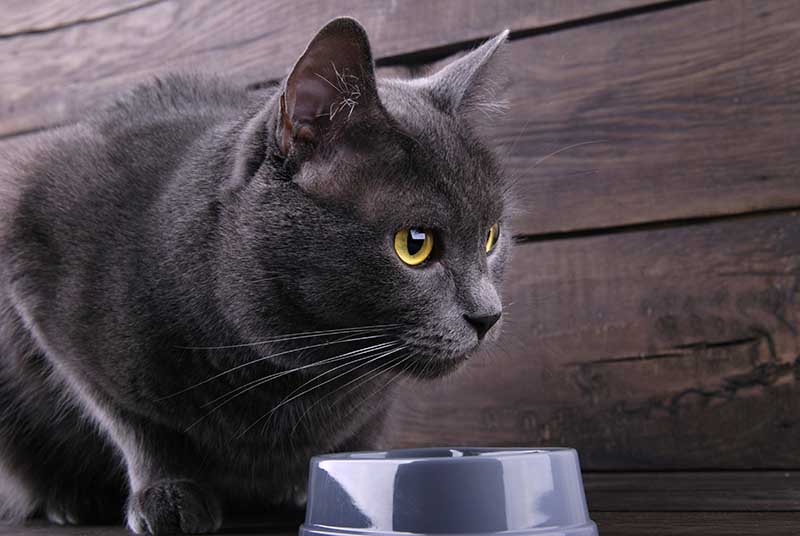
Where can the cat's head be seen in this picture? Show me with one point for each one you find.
(368, 202)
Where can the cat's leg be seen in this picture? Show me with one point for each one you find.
(57, 463)
(168, 492)
(17, 497)
(68, 480)
(74, 455)
(69, 460)
(53, 461)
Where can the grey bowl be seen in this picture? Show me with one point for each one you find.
(476, 491)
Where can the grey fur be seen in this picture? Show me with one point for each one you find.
(193, 215)
(472, 83)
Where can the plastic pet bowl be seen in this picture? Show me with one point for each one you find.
(480, 491)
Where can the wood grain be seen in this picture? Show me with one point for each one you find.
(623, 122)
(53, 77)
(721, 491)
(681, 113)
(670, 348)
(698, 524)
(22, 17)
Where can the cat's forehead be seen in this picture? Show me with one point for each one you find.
(436, 157)
(419, 166)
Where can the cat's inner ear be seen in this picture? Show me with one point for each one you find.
(332, 84)
(474, 81)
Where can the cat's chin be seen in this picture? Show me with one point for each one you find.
(431, 368)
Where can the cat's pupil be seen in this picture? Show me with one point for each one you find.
(416, 239)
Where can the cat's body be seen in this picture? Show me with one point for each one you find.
(154, 257)
(155, 290)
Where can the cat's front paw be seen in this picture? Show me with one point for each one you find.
(174, 507)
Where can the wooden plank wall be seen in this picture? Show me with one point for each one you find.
(655, 288)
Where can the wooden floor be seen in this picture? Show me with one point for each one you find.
(713, 503)
(609, 523)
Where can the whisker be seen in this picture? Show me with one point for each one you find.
(271, 356)
(261, 381)
(518, 136)
(292, 337)
(427, 364)
(567, 148)
(382, 387)
(503, 349)
(317, 377)
(291, 398)
(385, 385)
(282, 373)
(380, 370)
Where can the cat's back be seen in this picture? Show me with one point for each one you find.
(170, 112)
(86, 200)
(143, 133)
(111, 164)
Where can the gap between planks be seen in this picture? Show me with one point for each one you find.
(651, 225)
(421, 57)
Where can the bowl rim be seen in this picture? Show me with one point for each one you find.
(426, 454)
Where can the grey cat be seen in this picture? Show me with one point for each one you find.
(202, 286)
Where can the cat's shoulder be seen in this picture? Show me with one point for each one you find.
(179, 93)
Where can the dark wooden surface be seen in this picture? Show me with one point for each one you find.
(681, 113)
(52, 77)
(654, 293)
(630, 120)
(22, 17)
(660, 348)
(622, 503)
(701, 491)
(698, 524)
(609, 524)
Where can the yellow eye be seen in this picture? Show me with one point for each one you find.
(413, 245)
(491, 238)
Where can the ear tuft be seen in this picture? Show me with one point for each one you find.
(474, 81)
(332, 81)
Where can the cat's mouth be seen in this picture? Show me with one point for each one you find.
(431, 355)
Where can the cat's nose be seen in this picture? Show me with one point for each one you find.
(482, 323)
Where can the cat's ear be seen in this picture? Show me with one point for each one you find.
(472, 82)
(331, 85)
